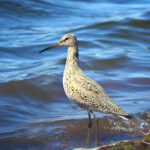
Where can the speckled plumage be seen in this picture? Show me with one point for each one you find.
(82, 90)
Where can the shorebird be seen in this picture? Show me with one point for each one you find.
(82, 90)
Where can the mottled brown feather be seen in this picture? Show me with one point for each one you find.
(82, 90)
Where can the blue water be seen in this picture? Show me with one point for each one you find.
(114, 50)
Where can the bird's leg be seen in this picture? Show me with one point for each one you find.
(89, 129)
(96, 128)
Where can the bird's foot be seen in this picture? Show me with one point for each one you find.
(88, 143)
(97, 143)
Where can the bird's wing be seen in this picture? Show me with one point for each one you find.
(87, 92)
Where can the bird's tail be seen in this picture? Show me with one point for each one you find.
(127, 117)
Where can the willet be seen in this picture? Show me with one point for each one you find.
(82, 90)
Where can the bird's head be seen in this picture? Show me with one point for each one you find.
(68, 40)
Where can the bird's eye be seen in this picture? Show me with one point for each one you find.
(66, 39)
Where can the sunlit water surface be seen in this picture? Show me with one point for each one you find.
(114, 50)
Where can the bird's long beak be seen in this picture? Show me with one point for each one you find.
(51, 46)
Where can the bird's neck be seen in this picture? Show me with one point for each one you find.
(72, 58)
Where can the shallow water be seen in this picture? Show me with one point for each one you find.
(114, 50)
